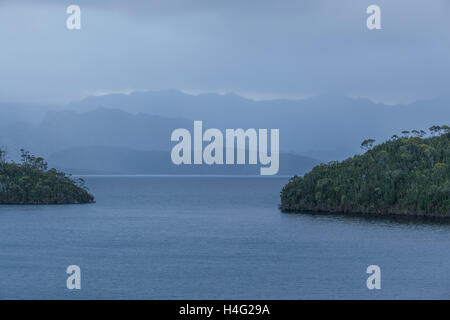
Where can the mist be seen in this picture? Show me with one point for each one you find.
(293, 48)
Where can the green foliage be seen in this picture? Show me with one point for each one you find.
(367, 144)
(409, 175)
(30, 182)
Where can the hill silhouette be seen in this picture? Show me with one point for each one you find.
(405, 176)
(30, 182)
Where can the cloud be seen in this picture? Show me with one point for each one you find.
(287, 47)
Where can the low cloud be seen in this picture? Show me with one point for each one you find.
(292, 48)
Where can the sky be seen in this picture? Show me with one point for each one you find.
(260, 49)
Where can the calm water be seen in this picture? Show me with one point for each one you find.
(212, 238)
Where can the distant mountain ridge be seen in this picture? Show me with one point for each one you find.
(109, 127)
(119, 160)
(328, 127)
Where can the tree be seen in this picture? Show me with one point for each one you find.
(30, 182)
(33, 162)
(435, 130)
(418, 133)
(400, 176)
(2, 155)
(367, 144)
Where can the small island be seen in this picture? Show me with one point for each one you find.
(31, 182)
(407, 176)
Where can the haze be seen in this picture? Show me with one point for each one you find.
(263, 49)
(107, 97)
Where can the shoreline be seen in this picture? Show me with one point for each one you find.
(47, 204)
(385, 216)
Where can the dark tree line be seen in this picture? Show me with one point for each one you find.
(404, 175)
(31, 182)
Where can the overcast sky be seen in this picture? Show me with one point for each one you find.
(262, 49)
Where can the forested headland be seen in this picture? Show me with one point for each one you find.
(31, 182)
(406, 175)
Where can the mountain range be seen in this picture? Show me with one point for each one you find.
(104, 128)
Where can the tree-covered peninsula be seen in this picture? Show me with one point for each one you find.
(407, 175)
(31, 182)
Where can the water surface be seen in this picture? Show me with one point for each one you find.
(212, 238)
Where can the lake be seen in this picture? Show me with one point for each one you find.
(161, 237)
